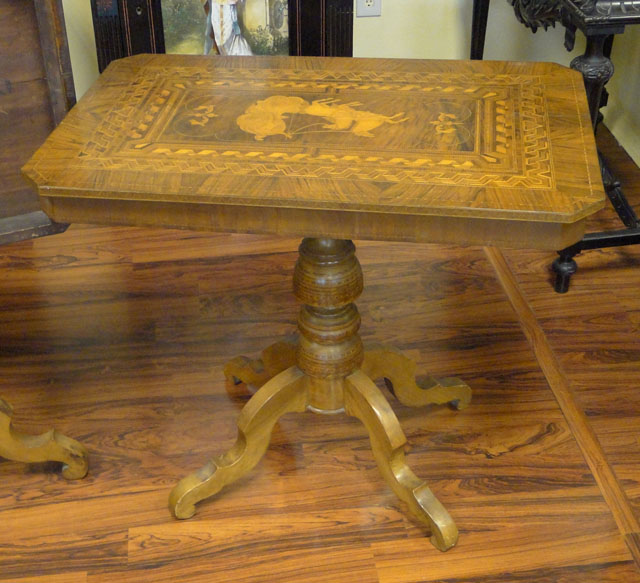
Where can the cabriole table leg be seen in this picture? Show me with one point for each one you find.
(399, 372)
(49, 446)
(282, 394)
(364, 400)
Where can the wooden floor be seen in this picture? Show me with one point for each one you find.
(117, 337)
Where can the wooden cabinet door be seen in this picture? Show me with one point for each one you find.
(36, 90)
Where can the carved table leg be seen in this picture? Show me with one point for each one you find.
(596, 69)
(50, 446)
(274, 359)
(282, 394)
(389, 363)
(365, 401)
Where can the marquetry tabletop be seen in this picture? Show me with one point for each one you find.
(442, 151)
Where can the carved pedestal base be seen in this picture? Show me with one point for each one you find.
(328, 371)
(50, 446)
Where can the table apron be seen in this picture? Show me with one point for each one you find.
(461, 230)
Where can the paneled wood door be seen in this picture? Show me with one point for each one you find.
(36, 90)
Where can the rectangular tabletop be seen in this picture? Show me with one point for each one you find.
(472, 152)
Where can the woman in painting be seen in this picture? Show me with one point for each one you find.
(223, 35)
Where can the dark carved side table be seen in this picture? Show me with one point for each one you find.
(600, 21)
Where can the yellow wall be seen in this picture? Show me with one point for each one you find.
(437, 29)
(622, 115)
(441, 29)
(420, 29)
(82, 44)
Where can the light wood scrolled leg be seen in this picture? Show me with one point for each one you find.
(388, 363)
(365, 401)
(274, 359)
(50, 446)
(283, 394)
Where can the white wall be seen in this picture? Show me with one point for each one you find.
(437, 29)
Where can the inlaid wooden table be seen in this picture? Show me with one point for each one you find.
(332, 150)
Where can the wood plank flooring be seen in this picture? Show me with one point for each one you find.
(117, 337)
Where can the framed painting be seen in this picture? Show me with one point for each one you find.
(226, 27)
(230, 27)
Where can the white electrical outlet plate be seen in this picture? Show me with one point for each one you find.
(368, 7)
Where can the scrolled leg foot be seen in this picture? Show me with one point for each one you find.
(274, 359)
(365, 401)
(400, 371)
(283, 394)
(49, 446)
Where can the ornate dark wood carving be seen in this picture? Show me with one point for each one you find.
(589, 13)
(537, 13)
